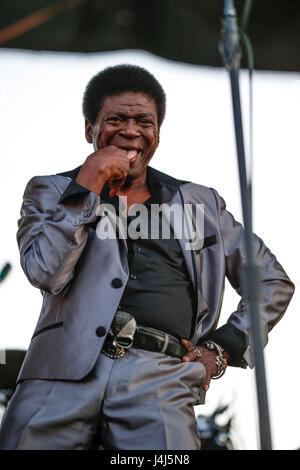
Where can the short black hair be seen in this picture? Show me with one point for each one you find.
(113, 81)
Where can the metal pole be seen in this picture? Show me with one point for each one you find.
(251, 274)
(231, 56)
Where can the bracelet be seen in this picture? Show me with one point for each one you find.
(220, 360)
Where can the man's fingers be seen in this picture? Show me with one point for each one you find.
(115, 186)
(192, 354)
(206, 382)
(188, 346)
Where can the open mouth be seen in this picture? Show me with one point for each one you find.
(135, 158)
(129, 147)
(132, 149)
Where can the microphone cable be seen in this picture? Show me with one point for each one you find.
(250, 66)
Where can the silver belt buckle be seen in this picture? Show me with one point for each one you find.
(120, 335)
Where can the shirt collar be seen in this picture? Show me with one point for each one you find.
(162, 188)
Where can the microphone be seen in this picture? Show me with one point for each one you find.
(229, 45)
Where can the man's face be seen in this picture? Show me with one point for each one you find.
(128, 121)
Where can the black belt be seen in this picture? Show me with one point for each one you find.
(124, 333)
(157, 341)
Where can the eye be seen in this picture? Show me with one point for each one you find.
(113, 119)
(146, 122)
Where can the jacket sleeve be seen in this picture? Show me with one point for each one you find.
(52, 232)
(274, 286)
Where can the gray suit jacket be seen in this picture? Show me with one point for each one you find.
(82, 278)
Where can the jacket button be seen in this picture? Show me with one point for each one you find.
(116, 282)
(100, 331)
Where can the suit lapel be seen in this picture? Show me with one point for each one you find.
(178, 224)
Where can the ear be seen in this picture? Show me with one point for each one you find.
(158, 137)
(88, 132)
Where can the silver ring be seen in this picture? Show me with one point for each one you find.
(198, 353)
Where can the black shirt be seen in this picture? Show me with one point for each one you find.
(159, 292)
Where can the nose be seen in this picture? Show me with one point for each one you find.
(130, 129)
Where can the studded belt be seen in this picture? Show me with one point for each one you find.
(124, 333)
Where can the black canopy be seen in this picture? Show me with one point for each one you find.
(182, 30)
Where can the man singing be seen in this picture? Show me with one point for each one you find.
(128, 340)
